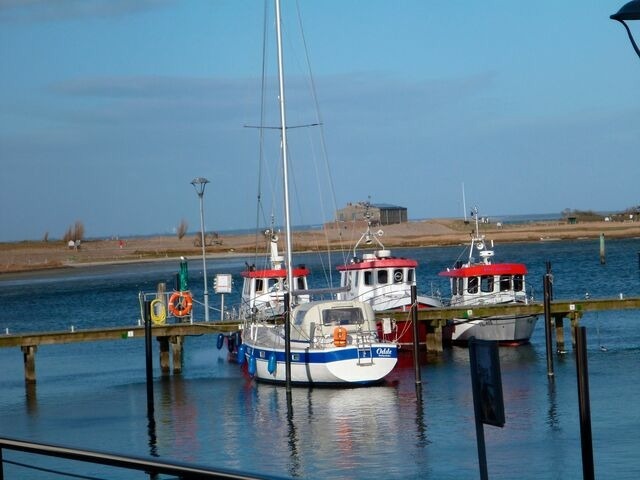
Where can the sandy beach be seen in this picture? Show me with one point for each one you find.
(34, 256)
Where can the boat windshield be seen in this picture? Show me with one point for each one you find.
(342, 316)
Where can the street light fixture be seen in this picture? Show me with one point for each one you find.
(199, 184)
(629, 11)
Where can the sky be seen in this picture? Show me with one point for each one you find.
(109, 108)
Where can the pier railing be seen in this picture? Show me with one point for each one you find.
(152, 466)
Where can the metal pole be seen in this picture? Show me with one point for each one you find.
(287, 341)
(199, 184)
(204, 259)
(148, 355)
(584, 404)
(547, 323)
(416, 340)
(603, 258)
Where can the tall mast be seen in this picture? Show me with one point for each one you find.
(285, 158)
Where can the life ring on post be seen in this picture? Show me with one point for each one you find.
(180, 304)
(340, 337)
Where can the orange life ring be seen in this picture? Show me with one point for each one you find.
(340, 337)
(180, 304)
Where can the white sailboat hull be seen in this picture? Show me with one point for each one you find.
(322, 365)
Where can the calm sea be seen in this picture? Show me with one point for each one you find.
(94, 395)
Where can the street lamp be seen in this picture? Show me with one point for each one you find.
(629, 11)
(199, 183)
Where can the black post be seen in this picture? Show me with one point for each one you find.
(584, 404)
(287, 341)
(416, 340)
(547, 322)
(148, 355)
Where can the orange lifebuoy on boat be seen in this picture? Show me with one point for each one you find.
(180, 304)
(340, 337)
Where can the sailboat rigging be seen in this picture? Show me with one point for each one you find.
(319, 342)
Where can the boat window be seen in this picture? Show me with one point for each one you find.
(368, 277)
(454, 286)
(342, 316)
(300, 283)
(258, 284)
(383, 276)
(518, 283)
(272, 285)
(398, 275)
(472, 286)
(486, 283)
(410, 274)
(505, 283)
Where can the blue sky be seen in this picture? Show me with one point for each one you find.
(109, 108)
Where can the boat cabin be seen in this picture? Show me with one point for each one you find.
(376, 274)
(494, 283)
(263, 290)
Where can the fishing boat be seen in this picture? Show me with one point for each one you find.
(329, 342)
(481, 281)
(263, 289)
(384, 281)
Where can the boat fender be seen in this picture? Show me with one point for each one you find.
(220, 341)
(272, 364)
(252, 365)
(340, 337)
(231, 344)
(180, 304)
(158, 312)
(241, 352)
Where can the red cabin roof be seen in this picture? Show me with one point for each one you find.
(279, 273)
(379, 263)
(493, 269)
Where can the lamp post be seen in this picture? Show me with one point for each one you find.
(199, 184)
(629, 11)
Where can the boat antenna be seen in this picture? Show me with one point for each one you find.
(368, 236)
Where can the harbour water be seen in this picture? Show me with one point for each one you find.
(94, 395)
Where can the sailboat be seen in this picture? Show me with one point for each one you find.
(328, 342)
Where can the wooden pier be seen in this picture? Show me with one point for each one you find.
(171, 336)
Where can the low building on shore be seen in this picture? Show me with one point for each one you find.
(378, 213)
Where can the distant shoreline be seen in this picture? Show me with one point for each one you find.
(21, 257)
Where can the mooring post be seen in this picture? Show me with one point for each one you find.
(29, 356)
(165, 363)
(602, 253)
(177, 342)
(559, 322)
(416, 339)
(584, 404)
(547, 322)
(148, 356)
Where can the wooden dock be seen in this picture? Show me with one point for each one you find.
(171, 336)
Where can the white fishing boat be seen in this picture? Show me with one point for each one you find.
(482, 282)
(384, 281)
(263, 289)
(329, 342)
